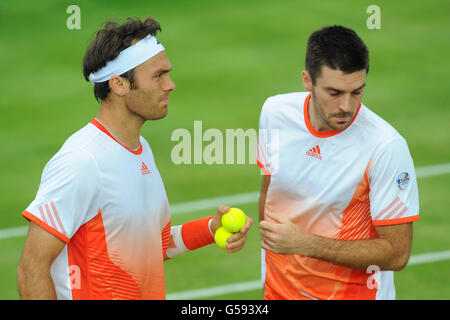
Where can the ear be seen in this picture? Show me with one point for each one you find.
(119, 85)
(307, 81)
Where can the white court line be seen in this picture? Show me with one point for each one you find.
(434, 170)
(13, 232)
(236, 199)
(429, 257)
(257, 284)
(215, 291)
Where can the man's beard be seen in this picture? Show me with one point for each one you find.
(328, 120)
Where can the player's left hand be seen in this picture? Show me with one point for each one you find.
(282, 236)
(237, 241)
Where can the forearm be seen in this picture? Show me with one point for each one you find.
(262, 203)
(262, 197)
(189, 236)
(389, 250)
(356, 254)
(199, 233)
(35, 283)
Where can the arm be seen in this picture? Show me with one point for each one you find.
(33, 273)
(262, 198)
(390, 251)
(196, 234)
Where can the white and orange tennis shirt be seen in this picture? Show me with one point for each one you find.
(109, 205)
(335, 184)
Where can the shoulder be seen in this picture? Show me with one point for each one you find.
(387, 144)
(68, 164)
(283, 106)
(74, 158)
(83, 137)
(285, 100)
(375, 130)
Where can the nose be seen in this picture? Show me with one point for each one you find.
(169, 85)
(345, 103)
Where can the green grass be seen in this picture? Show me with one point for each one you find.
(228, 57)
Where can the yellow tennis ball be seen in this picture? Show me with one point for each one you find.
(234, 220)
(221, 236)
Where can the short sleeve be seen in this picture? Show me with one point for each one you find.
(267, 143)
(68, 195)
(393, 193)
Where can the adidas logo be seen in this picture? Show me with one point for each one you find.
(144, 169)
(314, 152)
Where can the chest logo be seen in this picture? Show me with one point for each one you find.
(314, 152)
(144, 169)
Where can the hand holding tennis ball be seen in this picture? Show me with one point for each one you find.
(232, 235)
(221, 237)
(234, 220)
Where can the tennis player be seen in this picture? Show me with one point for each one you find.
(340, 192)
(100, 225)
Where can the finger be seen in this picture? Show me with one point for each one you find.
(237, 240)
(236, 244)
(223, 209)
(217, 221)
(270, 244)
(247, 225)
(267, 246)
(268, 226)
(269, 237)
(236, 237)
(232, 250)
(264, 232)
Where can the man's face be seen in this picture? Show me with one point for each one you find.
(335, 97)
(150, 96)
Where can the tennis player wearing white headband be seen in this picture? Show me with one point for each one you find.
(128, 59)
(100, 224)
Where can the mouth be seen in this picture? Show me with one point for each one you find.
(342, 118)
(165, 100)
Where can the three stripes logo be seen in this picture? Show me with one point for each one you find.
(144, 169)
(50, 216)
(314, 152)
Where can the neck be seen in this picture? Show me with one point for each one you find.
(121, 123)
(315, 119)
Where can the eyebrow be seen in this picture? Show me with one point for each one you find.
(162, 70)
(337, 90)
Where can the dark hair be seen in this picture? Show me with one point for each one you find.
(109, 42)
(337, 47)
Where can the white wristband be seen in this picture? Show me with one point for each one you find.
(209, 225)
(180, 247)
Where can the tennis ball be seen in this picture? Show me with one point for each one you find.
(221, 236)
(234, 220)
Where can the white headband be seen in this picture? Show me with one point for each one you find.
(128, 59)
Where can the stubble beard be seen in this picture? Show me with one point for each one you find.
(153, 110)
(319, 110)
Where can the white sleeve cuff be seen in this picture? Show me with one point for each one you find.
(180, 247)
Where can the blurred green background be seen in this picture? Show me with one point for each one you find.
(227, 58)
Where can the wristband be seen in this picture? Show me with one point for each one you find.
(197, 233)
